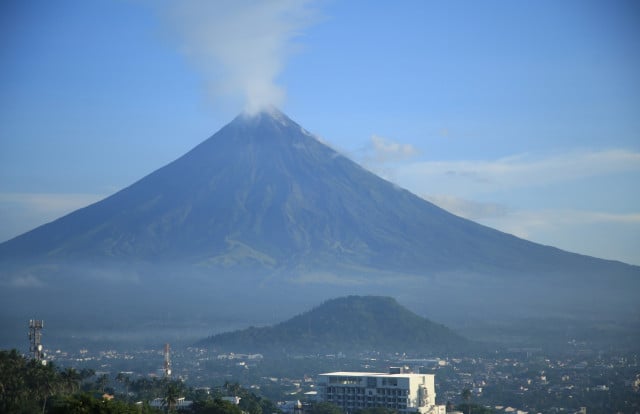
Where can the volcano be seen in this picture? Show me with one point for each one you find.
(264, 213)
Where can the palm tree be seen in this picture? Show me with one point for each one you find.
(70, 380)
(171, 396)
(102, 382)
(125, 380)
(13, 390)
(466, 396)
(232, 388)
(42, 381)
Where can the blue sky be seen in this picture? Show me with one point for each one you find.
(524, 116)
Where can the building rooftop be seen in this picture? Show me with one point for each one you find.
(373, 374)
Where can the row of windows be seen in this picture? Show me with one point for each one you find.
(361, 391)
(372, 382)
(390, 381)
(371, 399)
(345, 380)
(348, 390)
(370, 405)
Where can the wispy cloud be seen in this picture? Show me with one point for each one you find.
(501, 193)
(473, 210)
(467, 177)
(521, 219)
(240, 45)
(381, 155)
(386, 150)
(596, 233)
(25, 281)
(525, 223)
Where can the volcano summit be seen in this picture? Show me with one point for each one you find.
(263, 218)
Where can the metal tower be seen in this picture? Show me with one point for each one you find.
(35, 339)
(167, 361)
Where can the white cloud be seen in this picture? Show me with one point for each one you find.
(240, 45)
(580, 201)
(473, 210)
(382, 154)
(27, 281)
(600, 234)
(595, 233)
(525, 223)
(385, 150)
(469, 177)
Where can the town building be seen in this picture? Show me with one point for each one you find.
(180, 403)
(398, 390)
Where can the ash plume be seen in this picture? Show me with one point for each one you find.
(240, 46)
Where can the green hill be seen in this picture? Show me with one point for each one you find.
(348, 324)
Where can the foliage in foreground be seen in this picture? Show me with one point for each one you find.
(27, 386)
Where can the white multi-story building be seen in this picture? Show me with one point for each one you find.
(397, 390)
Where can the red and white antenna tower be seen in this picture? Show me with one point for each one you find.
(35, 339)
(167, 361)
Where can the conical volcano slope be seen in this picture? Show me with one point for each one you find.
(263, 198)
(264, 190)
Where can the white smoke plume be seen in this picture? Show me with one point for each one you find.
(241, 46)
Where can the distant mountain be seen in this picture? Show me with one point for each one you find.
(348, 324)
(263, 193)
(263, 218)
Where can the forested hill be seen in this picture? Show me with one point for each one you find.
(348, 324)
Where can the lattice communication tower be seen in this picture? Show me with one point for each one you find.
(35, 339)
(167, 361)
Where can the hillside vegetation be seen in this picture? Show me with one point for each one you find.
(348, 324)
